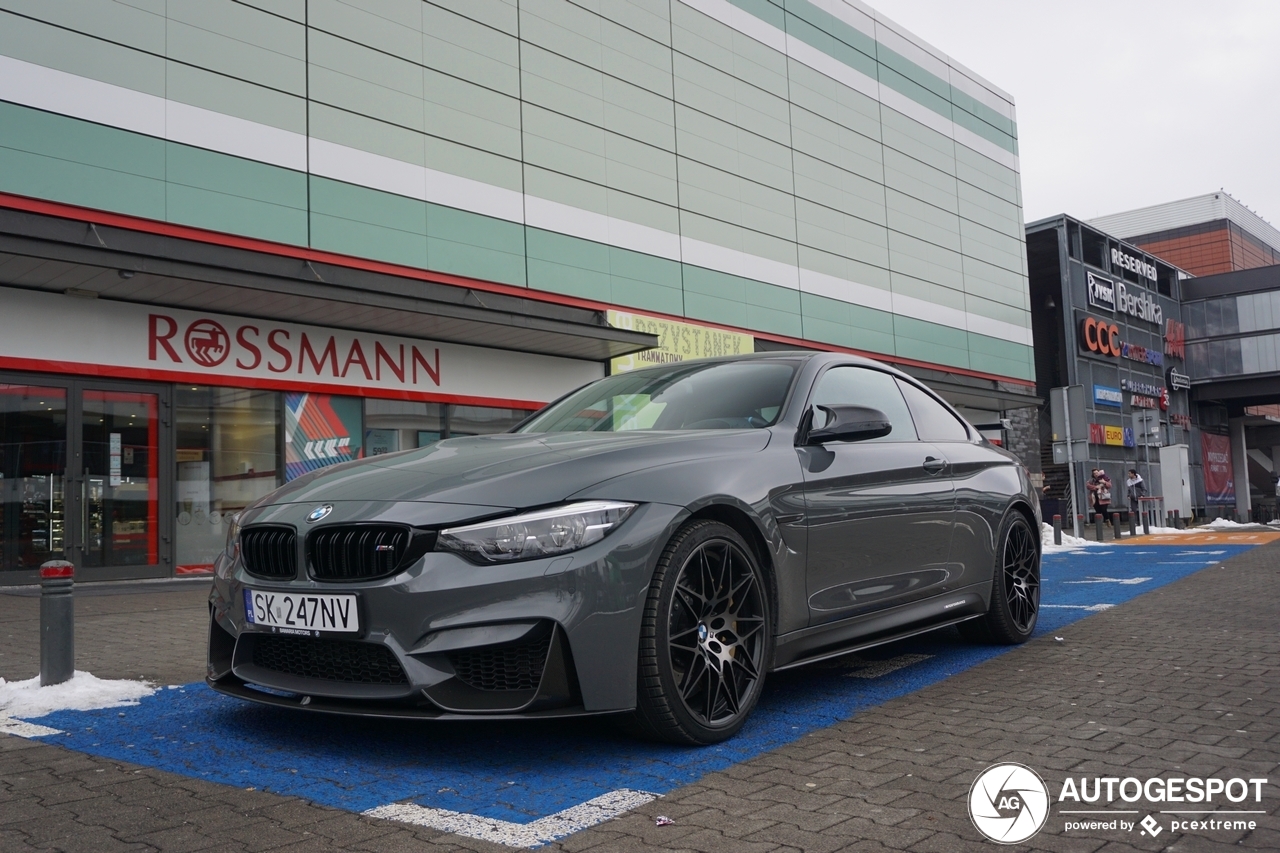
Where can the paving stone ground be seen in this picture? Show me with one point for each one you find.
(1184, 680)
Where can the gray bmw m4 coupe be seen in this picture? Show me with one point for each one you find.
(652, 545)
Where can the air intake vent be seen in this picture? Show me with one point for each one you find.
(515, 667)
(347, 661)
(270, 552)
(357, 552)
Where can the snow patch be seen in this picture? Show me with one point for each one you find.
(82, 692)
(1220, 523)
(1070, 544)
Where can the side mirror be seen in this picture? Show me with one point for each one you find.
(850, 423)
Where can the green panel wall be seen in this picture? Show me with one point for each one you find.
(650, 118)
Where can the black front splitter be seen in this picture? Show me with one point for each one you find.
(365, 708)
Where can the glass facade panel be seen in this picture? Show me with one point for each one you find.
(480, 420)
(227, 457)
(391, 425)
(33, 463)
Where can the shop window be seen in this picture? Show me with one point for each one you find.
(33, 463)
(320, 430)
(391, 425)
(481, 420)
(227, 457)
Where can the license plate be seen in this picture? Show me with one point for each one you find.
(287, 612)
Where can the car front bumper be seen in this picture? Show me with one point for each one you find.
(448, 638)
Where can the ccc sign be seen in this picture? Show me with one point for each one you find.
(1100, 337)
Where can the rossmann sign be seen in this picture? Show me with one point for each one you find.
(64, 334)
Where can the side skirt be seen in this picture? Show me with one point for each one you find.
(863, 632)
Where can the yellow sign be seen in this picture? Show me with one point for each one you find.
(1113, 435)
(676, 341)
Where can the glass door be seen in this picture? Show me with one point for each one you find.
(119, 481)
(80, 478)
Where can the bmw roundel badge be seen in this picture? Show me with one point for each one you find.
(319, 512)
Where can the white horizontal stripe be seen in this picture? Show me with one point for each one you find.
(742, 21)
(366, 169)
(510, 834)
(562, 218)
(232, 135)
(104, 103)
(1002, 329)
(737, 263)
(913, 109)
(866, 295)
(80, 97)
(986, 147)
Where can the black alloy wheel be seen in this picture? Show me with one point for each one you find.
(1022, 578)
(1015, 588)
(705, 638)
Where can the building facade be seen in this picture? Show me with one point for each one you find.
(285, 233)
(1204, 235)
(1178, 372)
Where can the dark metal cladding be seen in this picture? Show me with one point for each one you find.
(270, 551)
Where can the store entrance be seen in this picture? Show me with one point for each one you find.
(80, 465)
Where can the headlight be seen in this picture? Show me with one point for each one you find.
(233, 537)
(536, 534)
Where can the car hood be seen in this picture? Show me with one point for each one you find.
(512, 469)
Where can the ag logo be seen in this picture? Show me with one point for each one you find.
(1008, 803)
(319, 512)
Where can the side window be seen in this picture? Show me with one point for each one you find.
(860, 386)
(933, 421)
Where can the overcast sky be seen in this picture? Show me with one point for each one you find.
(1125, 103)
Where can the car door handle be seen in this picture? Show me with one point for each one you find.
(934, 465)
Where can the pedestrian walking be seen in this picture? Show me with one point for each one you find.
(1135, 487)
(1099, 487)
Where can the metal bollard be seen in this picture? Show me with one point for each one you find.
(1146, 522)
(1099, 528)
(57, 622)
(1133, 524)
(1057, 530)
(1115, 525)
(1177, 519)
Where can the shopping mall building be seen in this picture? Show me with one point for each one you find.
(243, 240)
(1180, 372)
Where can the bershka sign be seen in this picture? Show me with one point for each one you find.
(44, 331)
(1124, 260)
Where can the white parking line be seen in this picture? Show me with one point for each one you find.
(1092, 608)
(524, 835)
(10, 726)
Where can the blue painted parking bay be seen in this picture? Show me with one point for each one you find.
(525, 783)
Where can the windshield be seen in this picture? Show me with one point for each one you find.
(707, 395)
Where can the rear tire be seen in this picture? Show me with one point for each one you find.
(1015, 588)
(705, 639)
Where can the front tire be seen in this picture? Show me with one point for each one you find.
(705, 639)
(1015, 588)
